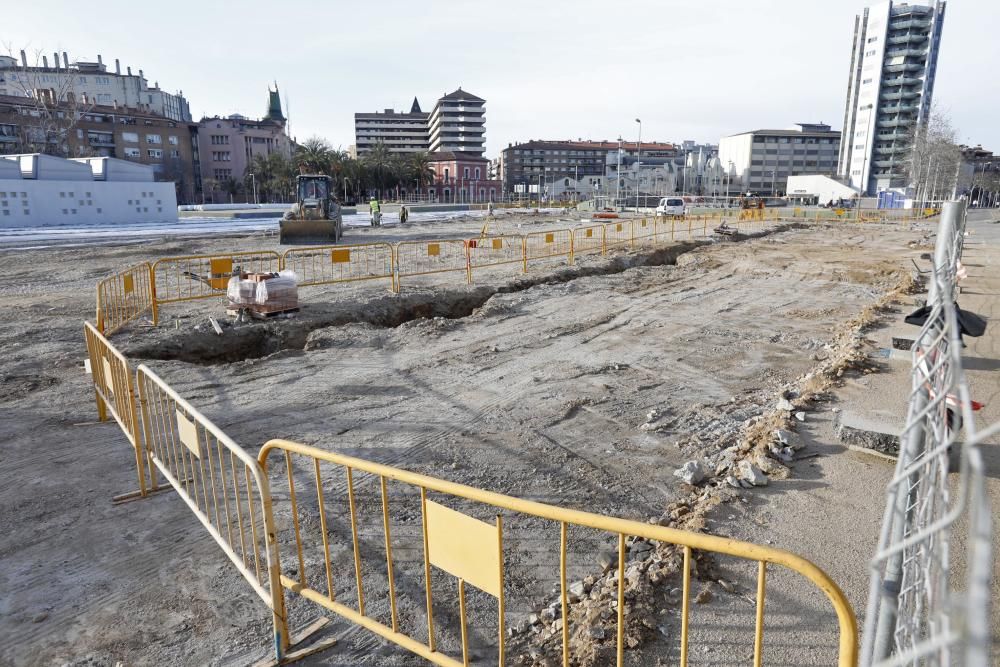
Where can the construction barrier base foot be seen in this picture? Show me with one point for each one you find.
(137, 495)
(299, 637)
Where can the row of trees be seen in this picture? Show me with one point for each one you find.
(934, 160)
(378, 173)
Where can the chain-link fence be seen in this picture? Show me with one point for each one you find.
(920, 611)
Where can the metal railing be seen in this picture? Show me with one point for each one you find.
(425, 258)
(115, 394)
(124, 297)
(328, 265)
(222, 485)
(205, 276)
(473, 552)
(916, 613)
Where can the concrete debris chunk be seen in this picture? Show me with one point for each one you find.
(733, 482)
(607, 559)
(782, 436)
(801, 416)
(785, 404)
(752, 474)
(691, 472)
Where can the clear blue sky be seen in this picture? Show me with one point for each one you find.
(690, 70)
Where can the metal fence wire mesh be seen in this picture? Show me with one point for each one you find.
(919, 611)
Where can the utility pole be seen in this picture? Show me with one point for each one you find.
(638, 165)
(618, 174)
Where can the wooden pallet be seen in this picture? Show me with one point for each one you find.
(261, 314)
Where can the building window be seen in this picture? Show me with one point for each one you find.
(153, 139)
(465, 173)
(155, 153)
(175, 153)
(172, 140)
(132, 153)
(130, 137)
(477, 173)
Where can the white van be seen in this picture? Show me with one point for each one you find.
(673, 206)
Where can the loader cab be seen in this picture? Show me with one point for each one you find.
(313, 191)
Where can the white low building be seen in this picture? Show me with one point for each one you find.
(42, 191)
(818, 189)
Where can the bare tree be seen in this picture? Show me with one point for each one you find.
(935, 158)
(51, 108)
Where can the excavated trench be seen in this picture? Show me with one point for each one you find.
(257, 340)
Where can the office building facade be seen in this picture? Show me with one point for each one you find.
(457, 124)
(229, 145)
(889, 91)
(762, 160)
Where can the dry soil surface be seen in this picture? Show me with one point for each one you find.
(537, 386)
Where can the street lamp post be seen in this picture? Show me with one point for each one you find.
(253, 181)
(638, 165)
(772, 182)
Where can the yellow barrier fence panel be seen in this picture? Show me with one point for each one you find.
(498, 250)
(124, 297)
(430, 258)
(222, 484)
(618, 234)
(207, 276)
(545, 245)
(461, 532)
(663, 228)
(589, 239)
(644, 231)
(328, 265)
(115, 393)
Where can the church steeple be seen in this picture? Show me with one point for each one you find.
(416, 106)
(274, 105)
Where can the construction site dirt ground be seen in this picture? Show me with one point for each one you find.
(539, 386)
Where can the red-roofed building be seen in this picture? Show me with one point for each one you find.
(462, 177)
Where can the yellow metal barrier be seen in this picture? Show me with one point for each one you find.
(498, 250)
(643, 232)
(423, 258)
(617, 234)
(115, 393)
(472, 551)
(327, 265)
(589, 239)
(553, 243)
(225, 488)
(124, 297)
(206, 276)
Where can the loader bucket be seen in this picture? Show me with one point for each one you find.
(308, 232)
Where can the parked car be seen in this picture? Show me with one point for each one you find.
(672, 206)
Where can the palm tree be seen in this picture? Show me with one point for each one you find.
(420, 169)
(315, 156)
(379, 161)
